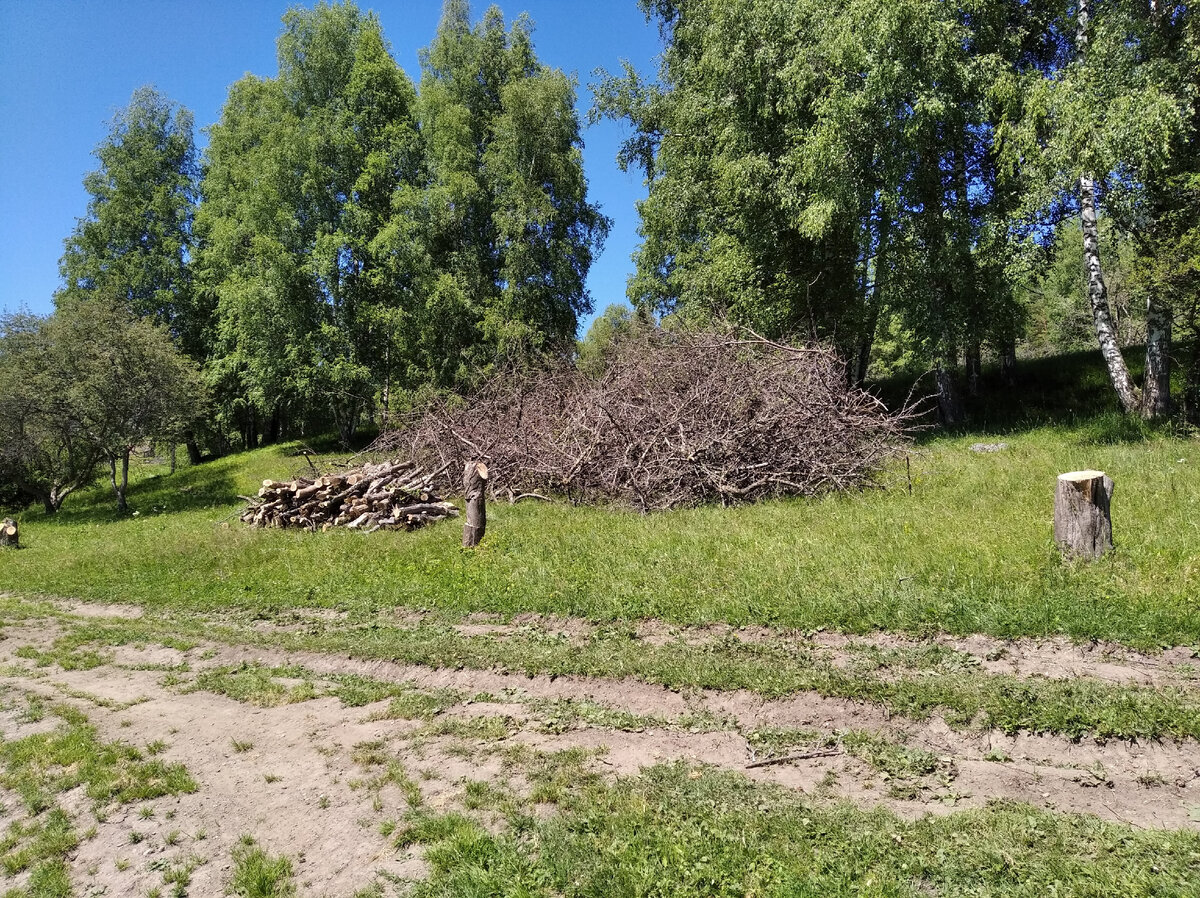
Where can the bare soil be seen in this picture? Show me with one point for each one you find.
(1057, 658)
(301, 789)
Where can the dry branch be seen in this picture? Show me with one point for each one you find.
(676, 419)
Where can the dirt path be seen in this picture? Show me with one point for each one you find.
(1055, 658)
(294, 776)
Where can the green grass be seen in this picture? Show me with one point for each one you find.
(257, 874)
(256, 684)
(40, 767)
(912, 683)
(678, 831)
(968, 551)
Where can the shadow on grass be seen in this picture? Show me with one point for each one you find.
(1072, 391)
(210, 485)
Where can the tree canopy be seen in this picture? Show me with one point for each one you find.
(914, 182)
(135, 242)
(361, 237)
(85, 386)
(835, 171)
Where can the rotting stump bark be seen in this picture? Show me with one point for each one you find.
(475, 476)
(1082, 515)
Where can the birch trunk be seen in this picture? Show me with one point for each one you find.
(1106, 332)
(1156, 392)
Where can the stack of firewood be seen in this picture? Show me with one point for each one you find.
(392, 495)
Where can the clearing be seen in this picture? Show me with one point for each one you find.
(902, 693)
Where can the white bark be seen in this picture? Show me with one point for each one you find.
(1156, 395)
(1106, 332)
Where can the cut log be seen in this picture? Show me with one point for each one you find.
(1082, 517)
(392, 494)
(474, 480)
(9, 535)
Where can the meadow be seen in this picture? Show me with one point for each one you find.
(903, 691)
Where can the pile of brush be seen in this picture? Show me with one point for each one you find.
(391, 495)
(677, 418)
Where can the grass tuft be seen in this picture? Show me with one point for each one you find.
(257, 874)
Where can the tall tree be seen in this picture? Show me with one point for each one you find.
(135, 242)
(300, 174)
(1168, 232)
(360, 238)
(510, 232)
(1095, 130)
(813, 170)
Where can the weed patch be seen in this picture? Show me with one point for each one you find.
(257, 685)
(681, 831)
(40, 767)
(257, 874)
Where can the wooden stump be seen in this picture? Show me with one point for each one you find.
(474, 482)
(1082, 521)
(8, 534)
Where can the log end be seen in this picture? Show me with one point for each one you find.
(1081, 476)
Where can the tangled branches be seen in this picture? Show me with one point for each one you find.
(675, 419)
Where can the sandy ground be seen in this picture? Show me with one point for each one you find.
(300, 791)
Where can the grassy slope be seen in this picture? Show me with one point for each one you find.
(968, 551)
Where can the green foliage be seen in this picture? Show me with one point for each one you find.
(811, 169)
(448, 229)
(877, 174)
(592, 353)
(257, 874)
(87, 384)
(505, 215)
(42, 766)
(257, 685)
(134, 244)
(1056, 320)
(968, 551)
(301, 294)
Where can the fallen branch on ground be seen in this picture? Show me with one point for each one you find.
(824, 753)
(675, 419)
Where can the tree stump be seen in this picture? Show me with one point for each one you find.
(8, 534)
(474, 482)
(1082, 521)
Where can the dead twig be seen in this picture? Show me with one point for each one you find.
(808, 755)
(675, 419)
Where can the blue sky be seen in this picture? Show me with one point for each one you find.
(66, 67)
